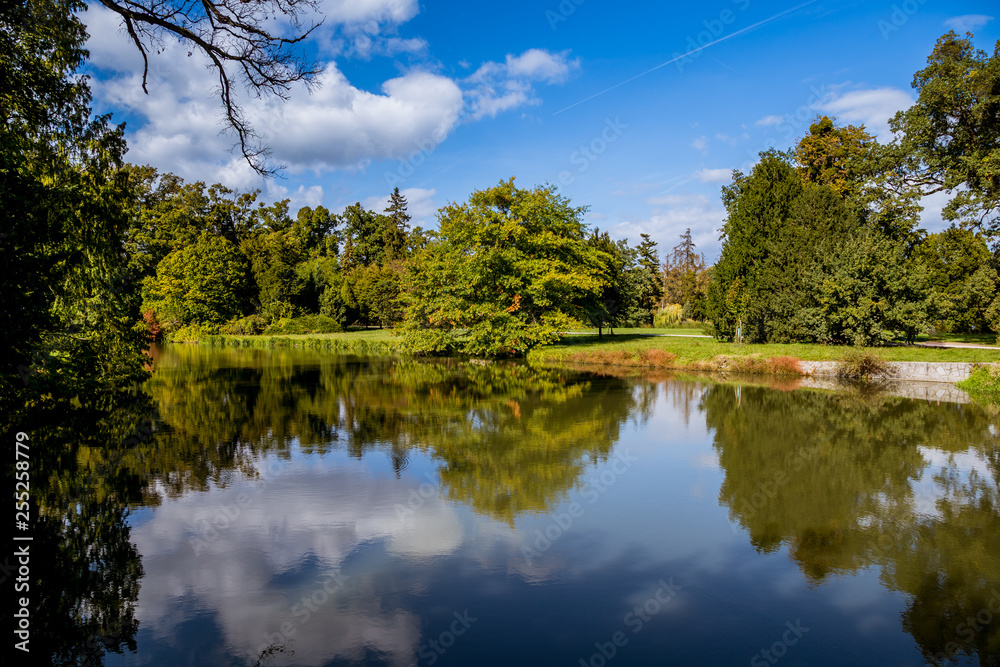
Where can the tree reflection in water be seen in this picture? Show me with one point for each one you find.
(848, 481)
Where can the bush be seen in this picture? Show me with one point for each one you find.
(153, 327)
(307, 324)
(251, 325)
(864, 365)
(668, 316)
(192, 333)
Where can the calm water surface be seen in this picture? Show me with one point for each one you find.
(294, 507)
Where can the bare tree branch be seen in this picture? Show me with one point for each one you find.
(229, 32)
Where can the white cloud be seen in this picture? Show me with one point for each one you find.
(713, 175)
(671, 216)
(540, 65)
(726, 139)
(367, 11)
(337, 126)
(967, 22)
(497, 87)
(699, 143)
(873, 107)
(769, 120)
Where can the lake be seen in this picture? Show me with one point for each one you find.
(281, 507)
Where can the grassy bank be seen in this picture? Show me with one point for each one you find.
(983, 385)
(373, 342)
(709, 354)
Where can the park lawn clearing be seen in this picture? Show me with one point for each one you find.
(711, 354)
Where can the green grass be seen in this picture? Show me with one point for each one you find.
(700, 352)
(977, 338)
(983, 385)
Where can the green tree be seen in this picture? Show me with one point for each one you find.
(397, 227)
(960, 274)
(758, 205)
(839, 157)
(650, 278)
(508, 270)
(199, 284)
(69, 311)
(621, 289)
(869, 292)
(685, 278)
(950, 138)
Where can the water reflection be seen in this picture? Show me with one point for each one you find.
(847, 482)
(345, 510)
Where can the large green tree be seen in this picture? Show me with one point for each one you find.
(509, 270)
(68, 313)
(950, 139)
(199, 284)
(960, 271)
(757, 205)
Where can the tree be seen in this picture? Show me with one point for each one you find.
(869, 291)
(950, 138)
(819, 222)
(397, 228)
(757, 206)
(241, 46)
(507, 271)
(650, 278)
(621, 288)
(835, 156)
(959, 271)
(685, 278)
(199, 284)
(364, 234)
(69, 311)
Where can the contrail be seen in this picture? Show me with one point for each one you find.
(700, 48)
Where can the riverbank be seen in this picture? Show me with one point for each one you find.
(708, 354)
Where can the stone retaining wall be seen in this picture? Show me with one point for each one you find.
(906, 371)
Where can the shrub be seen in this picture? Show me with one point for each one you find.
(669, 316)
(785, 366)
(250, 325)
(864, 365)
(153, 327)
(307, 324)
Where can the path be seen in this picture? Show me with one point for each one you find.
(970, 346)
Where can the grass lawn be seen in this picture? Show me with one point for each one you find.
(977, 338)
(630, 349)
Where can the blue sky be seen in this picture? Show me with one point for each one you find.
(444, 98)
